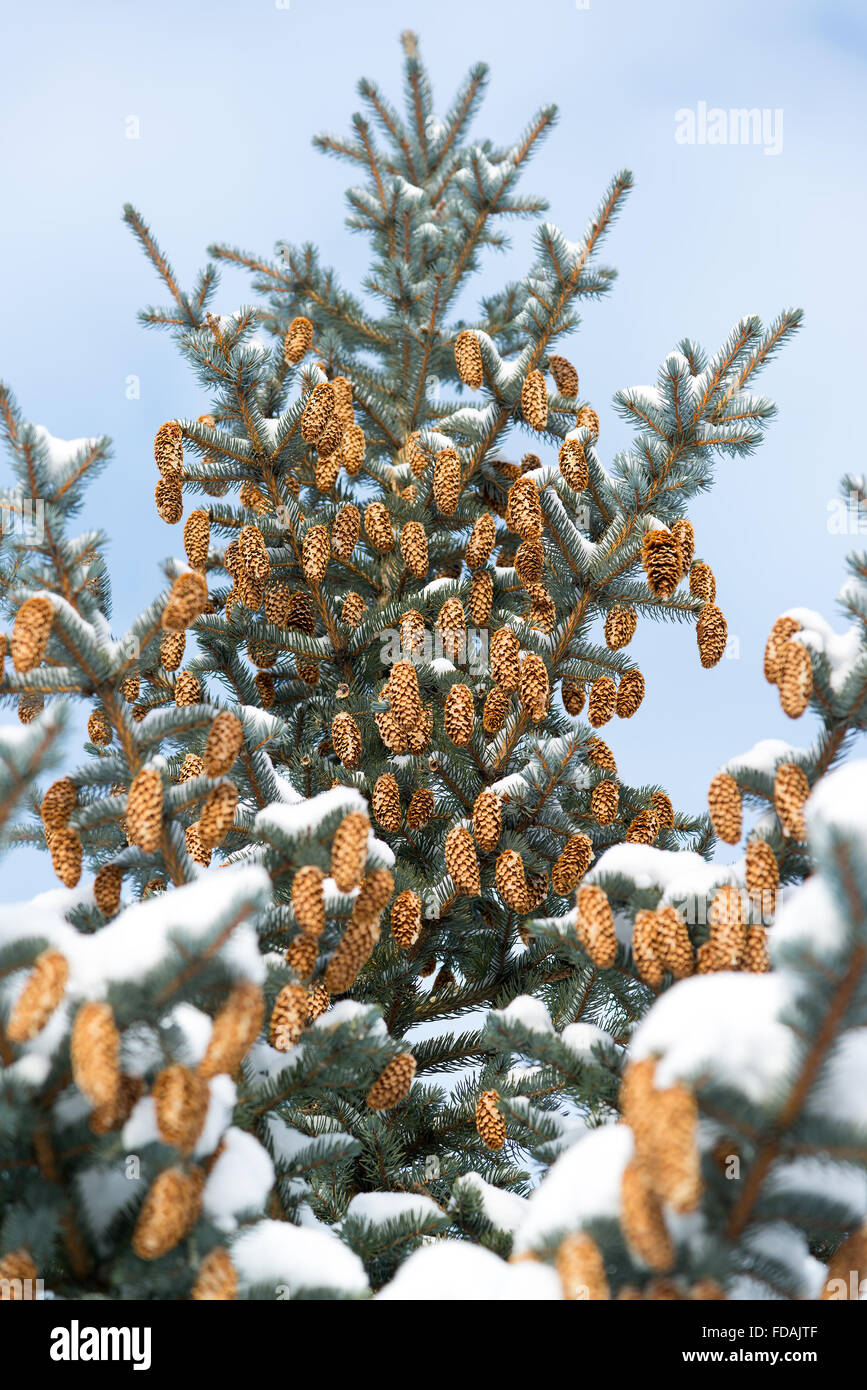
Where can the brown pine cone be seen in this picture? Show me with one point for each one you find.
(459, 715)
(94, 1050)
(106, 889)
(673, 946)
(298, 341)
(170, 1209)
(630, 693)
(392, 1085)
(197, 538)
(512, 881)
(663, 810)
(727, 928)
(377, 524)
(581, 1269)
(645, 947)
(385, 802)
(782, 630)
(604, 802)
(129, 689)
(701, 582)
(30, 633)
(195, 849)
(352, 449)
(481, 598)
(452, 627)
(587, 419)
(572, 864)
(420, 809)
(446, 481)
(711, 634)
(192, 766)
(308, 901)
(288, 1017)
(684, 536)
(314, 554)
(534, 689)
(302, 956)
(530, 561)
(253, 552)
(600, 755)
(144, 810)
(643, 828)
(277, 600)
(252, 499)
(352, 954)
(236, 1027)
(603, 701)
(225, 739)
(661, 560)
(317, 412)
(534, 401)
(524, 509)
(217, 1278)
(264, 683)
(462, 862)
(181, 1097)
(794, 678)
(58, 803)
(572, 692)
(791, 790)
(564, 374)
(376, 889)
(328, 460)
(642, 1220)
(169, 449)
(169, 501)
(468, 360)
(412, 632)
(724, 804)
(481, 543)
(487, 821)
(573, 465)
(403, 695)
(595, 926)
(490, 1124)
(496, 709)
(218, 813)
(42, 992)
(346, 738)
(343, 408)
(345, 530)
(188, 690)
(187, 601)
(353, 609)
(406, 920)
(504, 653)
(318, 1002)
(172, 647)
(762, 874)
(349, 851)
(620, 624)
(755, 956)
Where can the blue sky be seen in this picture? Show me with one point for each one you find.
(227, 95)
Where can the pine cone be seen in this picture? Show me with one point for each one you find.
(630, 693)
(701, 582)
(58, 803)
(663, 810)
(236, 1027)
(352, 449)
(264, 683)
(487, 821)
(308, 901)
(530, 561)
(406, 919)
(192, 766)
(534, 401)
(277, 600)
(795, 679)
(604, 802)
(572, 692)
(224, 744)
(343, 408)
(572, 864)
(782, 630)
(724, 804)
(106, 889)
(512, 881)
(645, 947)
(181, 1097)
(661, 560)
(673, 946)
(504, 653)
(496, 709)
(413, 548)
(684, 536)
(447, 481)
(288, 1017)
(459, 716)
(390, 1088)
(298, 341)
(351, 955)
(318, 1002)
(42, 992)
(643, 828)
(603, 701)
(595, 926)
(452, 627)
(727, 929)
(642, 1220)
(195, 849)
(187, 601)
(461, 861)
(490, 1123)
(197, 538)
(412, 633)
(573, 465)
(620, 624)
(533, 686)
(564, 374)
(377, 524)
(317, 412)
(587, 419)
(345, 530)
(31, 633)
(403, 695)
(524, 509)
(188, 690)
(346, 738)
(349, 851)
(712, 634)
(481, 598)
(762, 874)
(144, 810)
(468, 360)
(600, 755)
(129, 689)
(755, 958)
(94, 1050)
(169, 501)
(314, 554)
(416, 455)
(252, 499)
(217, 1278)
(353, 609)
(385, 802)
(302, 956)
(581, 1269)
(482, 540)
(376, 889)
(170, 1209)
(791, 790)
(169, 450)
(327, 446)
(172, 647)
(665, 1124)
(420, 809)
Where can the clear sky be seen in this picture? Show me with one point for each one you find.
(224, 97)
